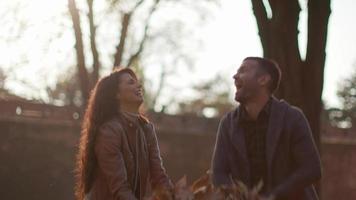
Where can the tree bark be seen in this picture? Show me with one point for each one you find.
(124, 28)
(94, 50)
(136, 55)
(121, 46)
(313, 68)
(82, 71)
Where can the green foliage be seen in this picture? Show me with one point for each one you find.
(212, 100)
(2, 78)
(66, 91)
(345, 116)
(4, 92)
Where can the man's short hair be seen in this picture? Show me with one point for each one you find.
(271, 67)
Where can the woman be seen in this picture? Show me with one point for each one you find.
(118, 153)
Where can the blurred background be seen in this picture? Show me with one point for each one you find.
(185, 52)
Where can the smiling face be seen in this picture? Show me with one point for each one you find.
(248, 81)
(130, 91)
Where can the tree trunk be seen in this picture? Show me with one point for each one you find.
(82, 71)
(302, 80)
(313, 68)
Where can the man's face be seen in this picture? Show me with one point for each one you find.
(246, 81)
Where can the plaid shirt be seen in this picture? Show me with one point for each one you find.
(255, 139)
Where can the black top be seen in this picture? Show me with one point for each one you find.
(255, 139)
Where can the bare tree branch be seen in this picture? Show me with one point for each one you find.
(137, 5)
(318, 17)
(145, 35)
(121, 46)
(160, 86)
(94, 50)
(260, 13)
(82, 71)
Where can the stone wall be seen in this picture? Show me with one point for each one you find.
(339, 171)
(37, 160)
(37, 153)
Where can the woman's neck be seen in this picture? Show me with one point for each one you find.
(129, 108)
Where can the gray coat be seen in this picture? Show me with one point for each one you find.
(293, 162)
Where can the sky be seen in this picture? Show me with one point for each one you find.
(223, 48)
(228, 36)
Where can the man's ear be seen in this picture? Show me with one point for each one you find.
(264, 79)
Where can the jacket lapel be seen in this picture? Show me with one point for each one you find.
(278, 109)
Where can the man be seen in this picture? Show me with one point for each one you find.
(265, 139)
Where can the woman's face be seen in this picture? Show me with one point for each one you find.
(129, 91)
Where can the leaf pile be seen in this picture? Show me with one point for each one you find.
(202, 189)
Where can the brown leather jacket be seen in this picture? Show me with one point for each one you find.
(116, 153)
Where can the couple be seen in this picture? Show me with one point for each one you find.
(262, 139)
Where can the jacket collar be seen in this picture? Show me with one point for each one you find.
(277, 111)
(134, 119)
(243, 115)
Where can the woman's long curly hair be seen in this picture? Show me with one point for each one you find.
(102, 106)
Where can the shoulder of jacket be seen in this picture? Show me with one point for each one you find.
(292, 111)
(232, 114)
(229, 116)
(113, 125)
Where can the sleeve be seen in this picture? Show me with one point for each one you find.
(305, 156)
(111, 163)
(221, 174)
(159, 177)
